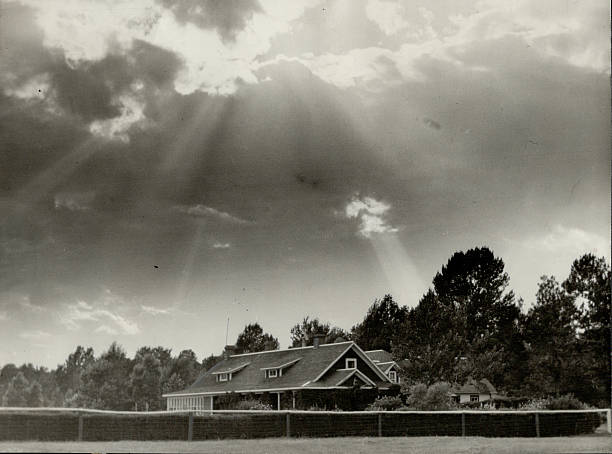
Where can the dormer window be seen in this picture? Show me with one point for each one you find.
(351, 363)
(226, 373)
(276, 370)
(393, 376)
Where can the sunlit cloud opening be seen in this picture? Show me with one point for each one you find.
(371, 214)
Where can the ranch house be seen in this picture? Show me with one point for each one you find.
(283, 373)
(477, 391)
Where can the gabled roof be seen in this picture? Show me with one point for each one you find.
(472, 386)
(383, 359)
(230, 370)
(309, 365)
(386, 367)
(341, 377)
(379, 356)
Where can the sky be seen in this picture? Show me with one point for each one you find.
(166, 165)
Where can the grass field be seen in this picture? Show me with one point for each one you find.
(427, 445)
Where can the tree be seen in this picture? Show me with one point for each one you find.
(181, 371)
(308, 328)
(550, 333)
(428, 342)
(380, 325)
(105, 383)
(68, 375)
(163, 355)
(146, 382)
(34, 395)
(589, 283)
(210, 361)
(16, 394)
(253, 339)
(173, 383)
(467, 324)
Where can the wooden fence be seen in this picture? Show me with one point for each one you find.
(98, 425)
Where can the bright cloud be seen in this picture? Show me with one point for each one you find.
(117, 127)
(388, 15)
(89, 30)
(34, 335)
(74, 201)
(570, 239)
(205, 211)
(150, 310)
(221, 245)
(37, 87)
(371, 214)
(575, 33)
(80, 312)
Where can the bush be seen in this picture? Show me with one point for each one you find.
(566, 402)
(436, 397)
(252, 404)
(533, 404)
(386, 403)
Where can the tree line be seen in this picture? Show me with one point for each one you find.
(468, 324)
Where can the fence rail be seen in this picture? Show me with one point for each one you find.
(106, 425)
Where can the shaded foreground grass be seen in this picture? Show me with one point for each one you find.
(353, 445)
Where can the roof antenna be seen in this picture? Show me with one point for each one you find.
(226, 330)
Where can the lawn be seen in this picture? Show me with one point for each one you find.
(357, 445)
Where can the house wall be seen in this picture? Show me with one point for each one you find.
(465, 398)
(361, 365)
(189, 403)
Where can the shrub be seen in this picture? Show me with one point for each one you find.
(566, 402)
(252, 404)
(436, 397)
(534, 404)
(386, 403)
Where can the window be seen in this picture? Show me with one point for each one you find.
(351, 363)
(223, 377)
(393, 376)
(273, 373)
(473, 397)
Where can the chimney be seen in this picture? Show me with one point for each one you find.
(229, 350)
(316, 340)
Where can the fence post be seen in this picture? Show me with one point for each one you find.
(288, 424)
(462, 424)
(380, 424)
(190, 429)
(80, 427)
(537, 422)
(609, 420)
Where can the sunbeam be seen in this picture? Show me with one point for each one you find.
(399, 268)
(43, 183)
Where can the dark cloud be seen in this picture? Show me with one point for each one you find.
(22, 52)
(228, 17)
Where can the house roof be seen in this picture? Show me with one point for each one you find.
(383, 359)
(379, 356)
(302, 367)
(386, 367)
(341, 377)
(472, 386)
